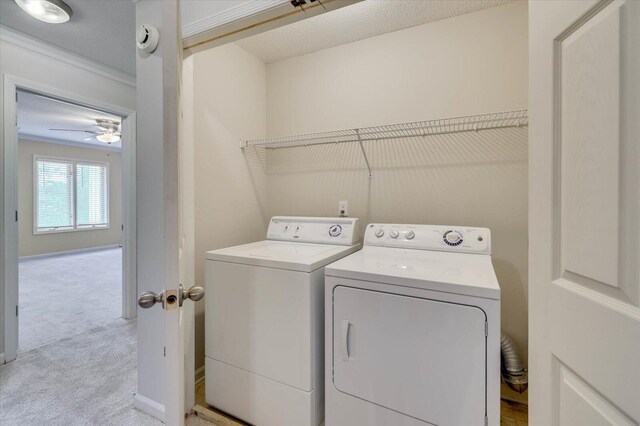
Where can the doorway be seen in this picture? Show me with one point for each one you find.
(70, 219)
(69, 250)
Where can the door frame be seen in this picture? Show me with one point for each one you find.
(9, 225)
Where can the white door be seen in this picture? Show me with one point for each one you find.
(584, 213)
(164, 229)
(420, 357)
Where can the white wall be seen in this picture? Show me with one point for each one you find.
(475, 63)
(229, 105)
(27, 64)
(156, 185)
(469, 64)
(30, 244)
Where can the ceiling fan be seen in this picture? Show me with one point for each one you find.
(109, 131)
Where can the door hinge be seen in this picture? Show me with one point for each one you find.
(486, 328)
(165, 351)
(16, 215)
(16, 310)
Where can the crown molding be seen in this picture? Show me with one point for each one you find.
(227, 16)
(35, 138)
(33, 44)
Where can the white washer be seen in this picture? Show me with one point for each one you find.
(413, 329)
(265, 321)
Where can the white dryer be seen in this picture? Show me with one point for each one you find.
(413, 329)
(264, 326)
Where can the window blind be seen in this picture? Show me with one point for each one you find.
(91, 192)
(54, 185)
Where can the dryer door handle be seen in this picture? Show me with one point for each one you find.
(344, 347)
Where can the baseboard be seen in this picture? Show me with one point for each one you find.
(148, 406)
(199, 374)
(76, 251)
(2, 358)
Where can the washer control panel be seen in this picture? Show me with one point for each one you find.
(319, 230)
(462, 239)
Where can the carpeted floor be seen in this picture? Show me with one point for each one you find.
(87, 379)
(77, 358)
(65, 295)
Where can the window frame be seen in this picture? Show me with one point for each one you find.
(74, 195)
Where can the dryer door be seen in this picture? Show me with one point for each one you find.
(420, 357)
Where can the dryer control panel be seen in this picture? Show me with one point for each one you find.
(460, 239)
(319, 230)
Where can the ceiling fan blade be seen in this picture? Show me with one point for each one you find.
(74, 130)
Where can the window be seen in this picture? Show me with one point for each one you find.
(70, 195)
(54, 195)
(91, 195)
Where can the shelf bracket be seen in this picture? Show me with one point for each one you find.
(364, 153)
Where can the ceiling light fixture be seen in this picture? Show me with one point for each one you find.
(50, 11)
(108, 138)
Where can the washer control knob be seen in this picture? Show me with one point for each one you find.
(394, 234)
(410, 235)
(379, 232)
(452, 238)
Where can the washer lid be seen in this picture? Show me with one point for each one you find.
(305, 257)
(459, 273)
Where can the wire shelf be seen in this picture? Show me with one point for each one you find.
(470, 123)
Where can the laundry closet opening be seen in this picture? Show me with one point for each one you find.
(357, 68)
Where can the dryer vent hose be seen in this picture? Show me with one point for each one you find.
(513, 373)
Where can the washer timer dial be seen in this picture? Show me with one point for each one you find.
(452, 238)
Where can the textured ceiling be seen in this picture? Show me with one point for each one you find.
(356, 22)
(37, 114)
(102, 30)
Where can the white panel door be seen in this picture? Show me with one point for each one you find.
(420, 357)
(584, 213)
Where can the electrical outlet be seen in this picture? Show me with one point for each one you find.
(343, 208)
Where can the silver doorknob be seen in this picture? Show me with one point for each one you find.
(194, 293)
(148, 298)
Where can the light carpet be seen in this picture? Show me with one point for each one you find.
(65, 295)
(87, 379)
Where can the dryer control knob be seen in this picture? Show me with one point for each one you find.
(452, 238)
(379, 232)
(394, 234)
(410, 235)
